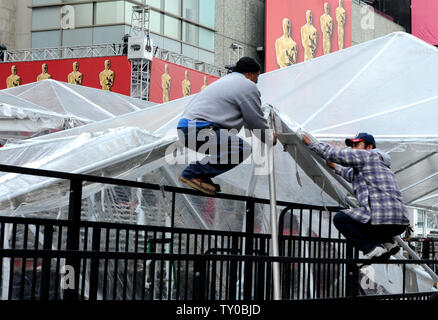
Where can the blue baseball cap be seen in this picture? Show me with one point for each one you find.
(362, 136)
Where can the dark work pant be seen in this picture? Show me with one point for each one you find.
(225, 150)
(365, 236)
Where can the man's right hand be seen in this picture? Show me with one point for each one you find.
(331, 164)
(274, 139)
(306, 139)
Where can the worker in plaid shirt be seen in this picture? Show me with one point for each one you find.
(381, 214)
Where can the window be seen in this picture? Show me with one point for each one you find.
(154, 3)
(206, 56)
(77, 37)
(173, 6)
(190, 51)
(110, 12)
(46, 39)
(46, 18)
(420, 218)
(190, 10)
(155, 21)
(83, 14)
(172, 27)
(206, 13)
(128, 12)
(190, 33)
(108, 34)
(206, 39)
(172, 45)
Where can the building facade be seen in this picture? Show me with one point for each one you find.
(15, 24)
(217, 32)
(211, 31)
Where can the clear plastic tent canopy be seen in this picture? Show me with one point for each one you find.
(375, 87)
(385, 87)
(141, 142)
(55, 105)
(21, 115)
(332, 97)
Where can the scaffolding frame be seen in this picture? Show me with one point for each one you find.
(140, 68)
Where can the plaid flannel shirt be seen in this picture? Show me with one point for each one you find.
(374, 184)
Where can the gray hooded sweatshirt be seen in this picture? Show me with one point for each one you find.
(231, 102)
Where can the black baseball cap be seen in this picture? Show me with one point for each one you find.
(362, 136)
(246, 64)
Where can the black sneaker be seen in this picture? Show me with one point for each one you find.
(379, 253)
(392, 247)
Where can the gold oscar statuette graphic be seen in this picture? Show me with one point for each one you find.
(14, 79)
(286, 49)
(44, 75)
(106, 76)
(327, 29)
(166, 83)
(186, 85)
(341, 18)
(309, 37)
(75, 77)
(205, 83)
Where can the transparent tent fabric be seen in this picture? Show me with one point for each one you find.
(385, 87)
(75, 104)
(331, 97)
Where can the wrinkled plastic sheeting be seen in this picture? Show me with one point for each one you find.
(112, 147)
(99, 153)
(386, 279)
(17, 115)
(384, 87)
(63, 98)
(86, 103)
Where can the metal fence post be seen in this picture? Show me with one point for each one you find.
(199, 284)
(73, 235)
(249, 250)
(233, 269)
(425, 250)
(94, 269)
(46, 265)
(352, 273)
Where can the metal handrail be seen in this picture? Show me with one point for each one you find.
(109, 49)
(136, 184)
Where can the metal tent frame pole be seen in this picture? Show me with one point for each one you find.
(273, 209)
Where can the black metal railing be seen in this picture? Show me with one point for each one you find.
(48, 259)
(426, 248)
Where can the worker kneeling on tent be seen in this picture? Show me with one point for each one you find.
(210, 118)
(381, 214)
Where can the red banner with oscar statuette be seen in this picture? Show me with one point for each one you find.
(170, 81)
(298, 30)
(90, 68)
(163, 87)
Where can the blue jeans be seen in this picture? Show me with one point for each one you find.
(365, 236)
(224, 150)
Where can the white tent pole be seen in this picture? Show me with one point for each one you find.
(414, 256)
(273, 202)
(249, 193)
